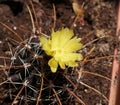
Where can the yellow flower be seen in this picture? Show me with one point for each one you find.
(62, 47)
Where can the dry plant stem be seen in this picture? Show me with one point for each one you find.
(54, 15)
(2, 57)
(13, 40)
(82, 63)
(87, 44)
(76, 17)
(87, 35)
(99, 58)
(38, 27)
(33, 25)
(95, 74)
(91, 50)
(95, 90)
(114, 98)
(3, 82)
(60, 103)
(70, 81)
(38, 99)
(78, 99)
(18, 36)
(11, 67)
(13, 103)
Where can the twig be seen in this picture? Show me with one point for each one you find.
(114, 98)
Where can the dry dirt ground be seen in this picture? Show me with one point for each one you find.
(18, 64)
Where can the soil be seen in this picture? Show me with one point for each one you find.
(89, 83)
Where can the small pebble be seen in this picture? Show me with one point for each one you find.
(15, 28)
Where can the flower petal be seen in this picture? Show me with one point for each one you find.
(65, 35)
(62, 64)
(71, 57)
(55, 40)
(73, 45)
(72, 64)
(46, 45)
(53, 65)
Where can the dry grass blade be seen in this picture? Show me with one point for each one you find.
(95, 74)
(87, 35)
(87, 44)
(91, 50)
(60, 103)
(16, 34)
(70, 81)
(72, 93)
(41, 87)
(38, 27)
(3, 57)
(3, 82)
(10, 67)
(95, 90)
(33, 25)
(99, 58)
(54, 15)
(13, 103)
